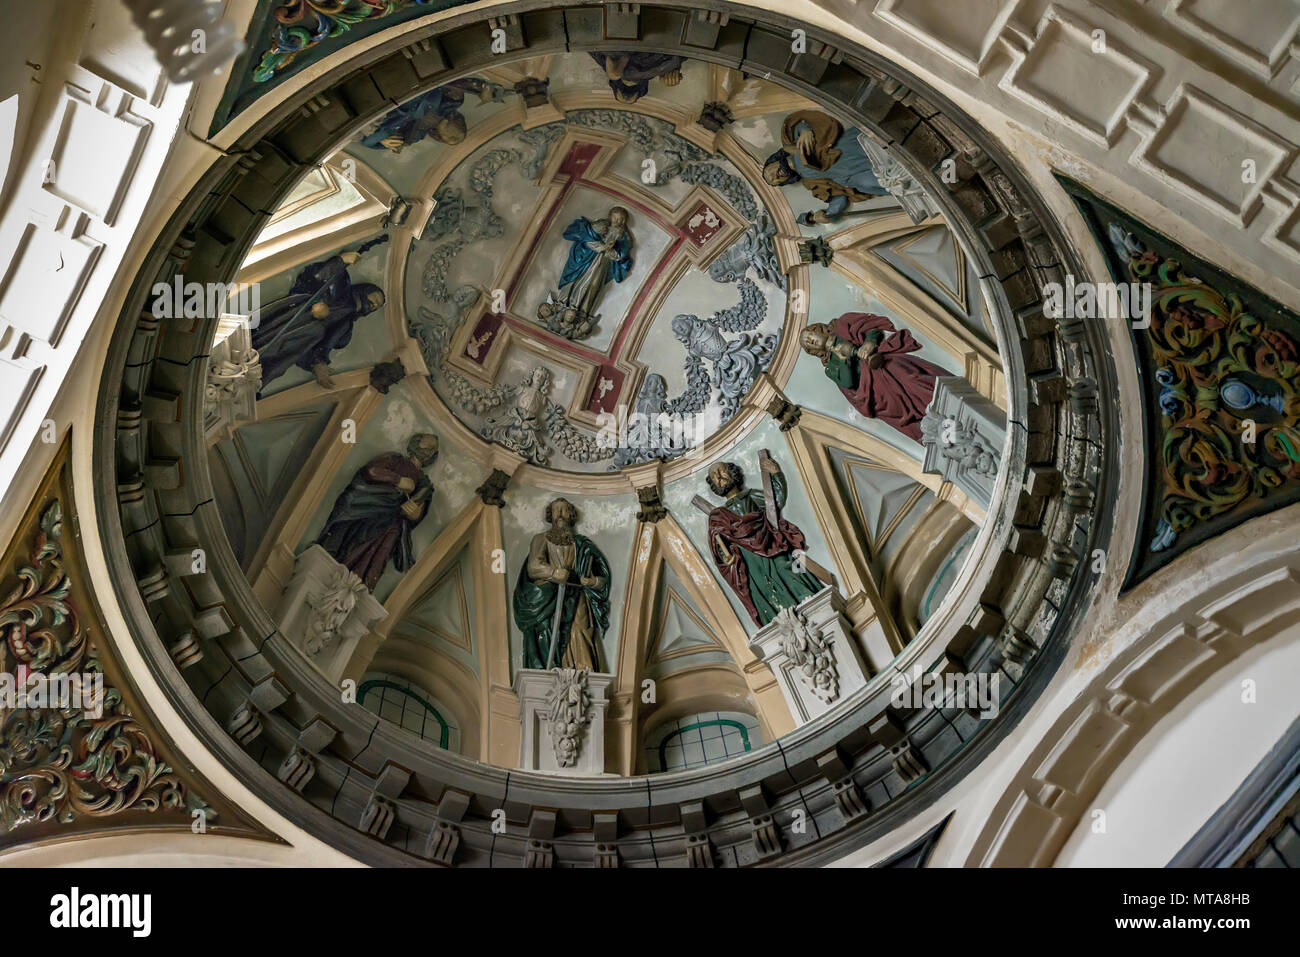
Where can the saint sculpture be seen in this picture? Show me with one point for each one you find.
(315, 318)
(561, 599)
(371, 522)
(434, 115)
(818, 153)
(600, 252)
(629, 74)
(871, 362)
(753, 547)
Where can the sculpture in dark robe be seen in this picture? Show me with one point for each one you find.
(434, 115)
(753, 555)
(564, 570)
(870, 361)
(314, 319)
(629, 74)
(370, 524)
(600, 252)
(818, 153)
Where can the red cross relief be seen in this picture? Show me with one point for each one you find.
(701, 225)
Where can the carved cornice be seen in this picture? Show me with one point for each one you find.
(899, 760)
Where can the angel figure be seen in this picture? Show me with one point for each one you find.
(521, 428)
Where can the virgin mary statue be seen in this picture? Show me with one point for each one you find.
(598, 252)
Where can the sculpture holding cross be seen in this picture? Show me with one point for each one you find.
(759, 553)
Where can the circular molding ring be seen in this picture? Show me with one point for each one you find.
(859, 771)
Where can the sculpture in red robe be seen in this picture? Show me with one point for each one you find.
(371, 522)
(872, 364)
(757, 558)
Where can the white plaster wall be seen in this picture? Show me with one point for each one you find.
(1191, 762)
(95, 103)
(1112, 628)
(1159, 121)
(174, 850)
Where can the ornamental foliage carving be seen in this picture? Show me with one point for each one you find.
(303, 24)
(568, 708)
(811, 655)
(1219, 366)
(58, 762)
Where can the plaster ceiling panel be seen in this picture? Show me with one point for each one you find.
(272, 449)
(547, 259)
(680, 639)
(760, 135)
(682, 629)
(933, 261)
(880, 494)
(258, 466)
(628, 166)
(443, 613)
(489, 222)
(499, 229)
(320, 194)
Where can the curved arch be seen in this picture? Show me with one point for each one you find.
(144, 448)
(711, 687)
(702, 725)
(440, 675)
(444, 726)
(1186, 623)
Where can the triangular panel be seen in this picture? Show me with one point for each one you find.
(442, 611)
(680, 629)
(880, 495)
(272, 450)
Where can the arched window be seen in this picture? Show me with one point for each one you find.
(699, 739)
(411, 707)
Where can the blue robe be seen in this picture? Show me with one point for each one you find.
(581, 231)
(415, 120)
(838, 172)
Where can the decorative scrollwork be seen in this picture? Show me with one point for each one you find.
(305, 23)
(59, 762)
(1228, 396)
(716, 363)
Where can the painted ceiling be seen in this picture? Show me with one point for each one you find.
(1219, 366)
(450, 225)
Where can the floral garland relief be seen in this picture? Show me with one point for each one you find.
(61, 764)
(1228, 396)
(305, 23)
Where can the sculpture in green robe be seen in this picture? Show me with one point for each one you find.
(566, 567)
(756, 556)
